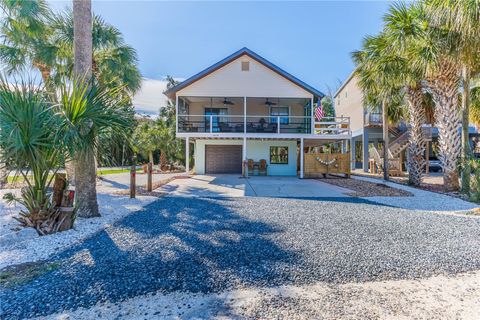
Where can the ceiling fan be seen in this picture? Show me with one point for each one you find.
(270, 103)
(227, 102)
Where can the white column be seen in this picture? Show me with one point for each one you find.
(244, 115)
(244, 148)
(312, 119)
(176, 112)
(187, 155)
(301, 158)
(244, 157)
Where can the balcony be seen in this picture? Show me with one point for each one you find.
(255, 116)
(262, 124)
(373, 119)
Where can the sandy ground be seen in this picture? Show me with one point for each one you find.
(437, 297)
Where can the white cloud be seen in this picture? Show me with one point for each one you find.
(150, 98)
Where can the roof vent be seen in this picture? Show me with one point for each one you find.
(245, 65)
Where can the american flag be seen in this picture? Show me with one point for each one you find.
(319, 114)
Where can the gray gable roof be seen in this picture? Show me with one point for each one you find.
(253, 55)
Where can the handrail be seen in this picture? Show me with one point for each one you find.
(220, 123)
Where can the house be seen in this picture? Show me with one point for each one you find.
(367, 129)
(245, 107)
(365, 123)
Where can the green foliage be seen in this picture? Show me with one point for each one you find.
(475, 106)
(28, 140)
(328, 107)
(34, 37)
(88, 110)
(37, 135)
(474, 168)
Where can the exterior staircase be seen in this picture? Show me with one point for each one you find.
(398, 144)
(396, 147)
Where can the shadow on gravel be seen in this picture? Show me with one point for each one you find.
(195, 245)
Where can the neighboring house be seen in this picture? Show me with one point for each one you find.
(245, 107)
(366, 125)
(367, 129)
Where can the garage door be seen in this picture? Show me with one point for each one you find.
(223, 159)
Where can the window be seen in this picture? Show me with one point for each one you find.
(245, 65)
(278, 155)
(282, 112)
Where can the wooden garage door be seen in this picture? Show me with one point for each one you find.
(223, 159)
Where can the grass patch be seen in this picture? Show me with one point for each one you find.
(15, 179)
(101, 172)
(24, 273)
(113, 171)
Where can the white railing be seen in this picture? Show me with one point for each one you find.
(332, 125)
(263, 124)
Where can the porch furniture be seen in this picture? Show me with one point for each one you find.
(224, 127)
(262, 168)
(257, 168)
(250, 165)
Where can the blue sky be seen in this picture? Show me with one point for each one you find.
(311, 40)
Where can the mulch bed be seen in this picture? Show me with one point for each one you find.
(362, 188)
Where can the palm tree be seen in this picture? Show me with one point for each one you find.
(30, 143)
(462, 19)
(26, 38)
(145, 139)
(433, 50)
(400, 17)
(84, 161)
(378, 83)
(114, 63)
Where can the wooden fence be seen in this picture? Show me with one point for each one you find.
(318, 164)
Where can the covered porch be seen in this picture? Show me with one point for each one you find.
(302, 157)
(254, 115)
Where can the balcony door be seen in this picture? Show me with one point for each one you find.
(216, 119)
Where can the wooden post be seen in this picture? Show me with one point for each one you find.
(133, 172)
(427, 158)
(149, 176)
(59, 185)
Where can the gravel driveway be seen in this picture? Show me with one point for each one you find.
(211, 245)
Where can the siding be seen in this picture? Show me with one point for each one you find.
(349, 103)
(256, 150)
(231, 81)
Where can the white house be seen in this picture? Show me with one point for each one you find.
(245, 107)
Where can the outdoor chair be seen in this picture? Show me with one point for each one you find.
(262, 168)
(251, 166)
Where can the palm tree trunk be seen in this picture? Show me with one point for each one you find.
(444, 90)
(150, 156)
(416, 147)
(85, 173)
(3, 175)
(82, 37)
(70, 170)
(466, 171)
(85, 185)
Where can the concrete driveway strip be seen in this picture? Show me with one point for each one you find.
(235, 186)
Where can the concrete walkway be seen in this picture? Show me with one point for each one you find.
(235, 186)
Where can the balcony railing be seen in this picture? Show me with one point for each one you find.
(373, 119)
(261, 124)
